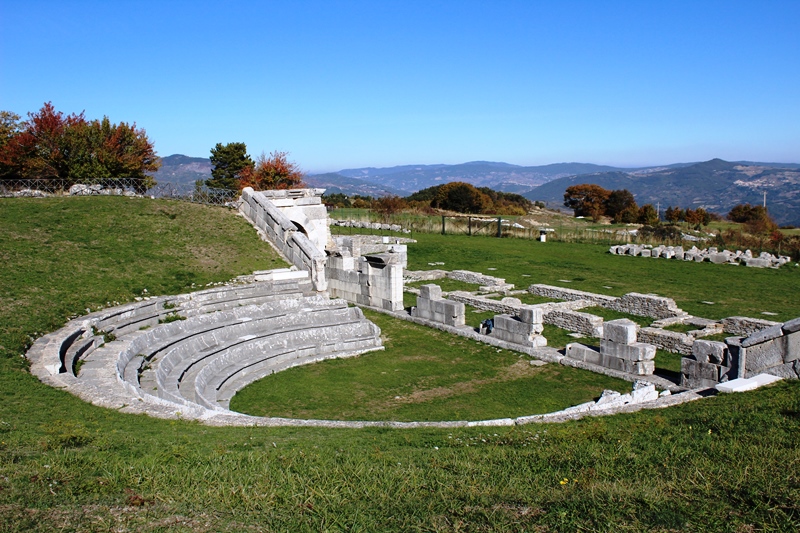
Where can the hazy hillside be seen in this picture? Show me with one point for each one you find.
(335, 183)
(499, 176)
(716, 185)
(179, 168)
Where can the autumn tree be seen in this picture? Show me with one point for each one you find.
(273, 172)
(230, 162)
(587, 200)
(462, 198)
(388, 205)
(51, 145)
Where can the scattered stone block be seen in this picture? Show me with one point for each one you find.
(747, 384)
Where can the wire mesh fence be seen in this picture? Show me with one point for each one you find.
(39, 188)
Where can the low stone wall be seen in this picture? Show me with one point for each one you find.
(285, 236)
(708, 364)
(671, 341)
(744, 326)
(508, 306)
(619, 350)
(523, 328)
(585, 323)
(425, 275)
(560, 293)
(486, 283)
(633, 303)
(647, 305)
(775, 351)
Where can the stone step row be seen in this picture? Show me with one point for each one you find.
(214, 343)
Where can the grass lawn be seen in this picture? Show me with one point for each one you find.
(725, 464)
(424, 374)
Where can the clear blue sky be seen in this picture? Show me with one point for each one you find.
(343, 84)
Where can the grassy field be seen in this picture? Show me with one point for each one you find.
(424, 374)
(729, 464)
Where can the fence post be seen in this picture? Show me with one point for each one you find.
(499, 227)
(443, 223)
(469, 225)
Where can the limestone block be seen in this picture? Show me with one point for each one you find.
(643, 391)
(699, 370)
(668, 254)
(637, 351)
(580, 352)
(679, 256)
(655, 252)
(647, 253)
(622, 331)
(699, 258)
(643, 368)
(430, 292)
(763, 335)
(531, 315)
(615, 363)
(763, 356)
(710, 351)
(757, 262)
(786, 370)
(719, 258)
(792, 347)
(791, 326)
(747, 384)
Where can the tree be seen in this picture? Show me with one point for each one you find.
(462, 198)
(587, 200)
(273, 172)
(621, 206)
(674, 214)
(388, 205)
(229, 161)
(648, 215)
(51, 145)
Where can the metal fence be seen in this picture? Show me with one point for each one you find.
(39, 188)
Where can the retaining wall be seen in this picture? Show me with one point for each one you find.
(284, 235)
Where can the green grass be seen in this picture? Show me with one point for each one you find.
(424, 374)
(734, 290)
(725, 464)
(610, 314)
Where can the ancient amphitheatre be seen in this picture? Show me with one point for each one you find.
(485, 442)
(186, 356)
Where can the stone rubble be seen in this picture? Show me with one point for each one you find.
(711, 254)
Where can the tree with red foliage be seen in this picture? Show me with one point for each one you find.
(51, 145)
(273, 172)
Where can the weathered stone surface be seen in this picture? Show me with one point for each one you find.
(636, 351)
(621, 331)
(792, 347)
(792, 325)
(764, 335)
(579, 352)
(761, 357)
(710, 352)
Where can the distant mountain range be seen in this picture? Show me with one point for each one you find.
(715, 185)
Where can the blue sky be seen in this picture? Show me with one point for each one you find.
(343, 84)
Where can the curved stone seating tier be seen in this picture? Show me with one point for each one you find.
(219, 341)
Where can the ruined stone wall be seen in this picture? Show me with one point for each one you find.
(647, 305)
(431, 306)
(375, 281)
(486, 283)
(560, 293)
(585, 323)
(524, 328)
(671, 341)
(744, 326)
(296, 247)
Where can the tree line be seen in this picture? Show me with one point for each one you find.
(455, 196)
(72, 149)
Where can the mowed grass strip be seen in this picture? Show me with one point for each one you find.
(424, 374)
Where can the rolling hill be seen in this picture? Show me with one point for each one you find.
(715, 185)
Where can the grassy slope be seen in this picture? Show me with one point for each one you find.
(724, 464)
